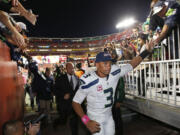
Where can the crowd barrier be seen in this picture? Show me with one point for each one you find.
(159, 79)
(11, 88)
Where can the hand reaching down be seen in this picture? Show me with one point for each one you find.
(93, 126)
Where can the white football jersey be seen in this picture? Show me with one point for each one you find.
(99, 92)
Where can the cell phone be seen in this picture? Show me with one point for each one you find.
(41, 117)
(37, 120)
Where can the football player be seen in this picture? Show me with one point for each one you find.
(98, 87)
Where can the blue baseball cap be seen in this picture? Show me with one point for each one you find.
(103, 56)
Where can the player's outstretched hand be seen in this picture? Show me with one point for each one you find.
(150, 45)
(93, 126)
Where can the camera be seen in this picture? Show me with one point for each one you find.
(34, 121)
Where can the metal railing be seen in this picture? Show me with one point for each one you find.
(169, 48)
(158, 81)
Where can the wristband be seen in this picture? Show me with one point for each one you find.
(85, 119)
(144, 54)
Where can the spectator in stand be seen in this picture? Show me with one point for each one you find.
(43, 84)
(119, 52)
(79, 71)
(145, 26)
(135, 32)
(128, 51)
(110, 48)
(142, 38)
(16, 127)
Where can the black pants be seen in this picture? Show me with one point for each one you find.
(66, 112)
(73, 122)
(118, 120)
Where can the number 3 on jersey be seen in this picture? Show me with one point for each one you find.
(109, 97)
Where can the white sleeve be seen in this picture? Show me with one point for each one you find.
(80, 95)
(125, 69)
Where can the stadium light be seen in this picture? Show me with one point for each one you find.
(125, 23)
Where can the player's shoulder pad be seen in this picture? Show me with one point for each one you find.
(87, 80)
(115, 70)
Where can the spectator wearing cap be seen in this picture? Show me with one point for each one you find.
(128, 51)
(23, 30)
(142, 38)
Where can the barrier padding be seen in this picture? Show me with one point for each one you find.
(11, 88)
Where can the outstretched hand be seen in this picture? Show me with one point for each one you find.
(19, 40)
(150, 45)
(14, 3)
(31, 17)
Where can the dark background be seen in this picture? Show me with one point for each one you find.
(81, 18)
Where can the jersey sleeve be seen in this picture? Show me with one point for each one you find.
(81, 93)
(120, 71)
(125, 69)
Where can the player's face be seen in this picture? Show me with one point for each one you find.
(103, 68)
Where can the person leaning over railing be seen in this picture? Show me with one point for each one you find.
(169, 12)
(16, 37)
(16, 7)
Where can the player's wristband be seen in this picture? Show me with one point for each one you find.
(85, 119)
(144, 54)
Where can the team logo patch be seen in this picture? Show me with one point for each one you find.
(99, 88)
